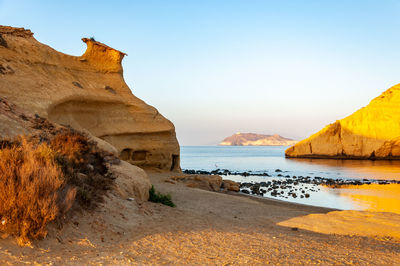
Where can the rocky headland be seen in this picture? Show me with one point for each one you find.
(252, 139)
(373, 132)
(86, 92)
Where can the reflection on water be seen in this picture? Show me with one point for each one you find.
(380, 198)
(318, 195)
(268, 159)
(378, 169)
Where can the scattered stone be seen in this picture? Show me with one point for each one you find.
(300, 184)
(112, 159)
(90, 167)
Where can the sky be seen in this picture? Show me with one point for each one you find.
(217, 67)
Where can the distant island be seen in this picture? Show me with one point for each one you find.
(252, 139)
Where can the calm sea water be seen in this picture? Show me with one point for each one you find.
(269, 158)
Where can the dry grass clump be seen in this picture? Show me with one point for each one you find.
(43, 176)
(31, 184)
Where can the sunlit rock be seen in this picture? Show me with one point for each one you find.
(373, 132)
(87, 92)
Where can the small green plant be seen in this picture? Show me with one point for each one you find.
(160, 198)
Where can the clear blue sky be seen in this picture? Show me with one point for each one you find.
(218, 67)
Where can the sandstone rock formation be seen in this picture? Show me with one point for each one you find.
(230, 185)
(206, 182)
(373, 132)
(252, 139)
(87, 92)
(130, 181)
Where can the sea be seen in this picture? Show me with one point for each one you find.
(271, 160)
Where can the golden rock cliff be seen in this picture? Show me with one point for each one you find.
(373, 132)
(87, 92)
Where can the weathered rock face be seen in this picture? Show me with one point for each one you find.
(206, 182)
(131, 181)
(230, 185)
(87, 92)
(373, 132)
(252, 139)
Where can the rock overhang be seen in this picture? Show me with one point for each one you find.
(87, 92)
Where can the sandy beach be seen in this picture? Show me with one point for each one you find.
(209, 228)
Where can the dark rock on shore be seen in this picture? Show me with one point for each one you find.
(222, 172)
(286, 186)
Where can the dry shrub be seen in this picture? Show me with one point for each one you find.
(83, 166)
(45, 175)
(31, 183)
(71, 146)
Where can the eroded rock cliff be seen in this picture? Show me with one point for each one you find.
(128, 181)
(373, 132)
(87, 92)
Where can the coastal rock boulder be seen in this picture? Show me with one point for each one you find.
(86, 92)
(205, 182)
(131, 181)
(230, 185)
(373, 132)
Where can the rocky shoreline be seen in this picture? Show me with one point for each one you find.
(286, 186)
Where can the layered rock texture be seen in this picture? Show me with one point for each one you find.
(129, 181)
(252, 139)
(373, 132)
(87, 92)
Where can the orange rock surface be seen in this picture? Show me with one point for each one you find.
(373, 132)
(87, 92)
